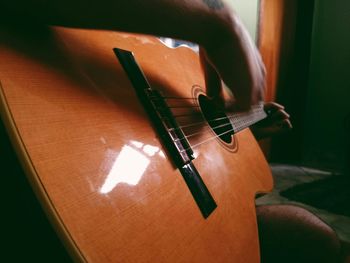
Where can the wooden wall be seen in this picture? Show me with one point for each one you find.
(284, 40)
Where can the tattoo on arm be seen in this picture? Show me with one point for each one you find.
(214, 4)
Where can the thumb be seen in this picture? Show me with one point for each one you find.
(212, 78)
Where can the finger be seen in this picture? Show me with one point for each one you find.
(239, 67)
(212, 78)
(244, 95)
(279, 115)
(234, 68)
(285, 125)
(271, 107)
(249, 86)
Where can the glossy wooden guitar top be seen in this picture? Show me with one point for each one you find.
(96, 163)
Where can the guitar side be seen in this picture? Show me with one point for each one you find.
(76, 124)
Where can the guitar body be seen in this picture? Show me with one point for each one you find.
(97, 164)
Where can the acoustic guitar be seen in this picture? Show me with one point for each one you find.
(129, 158)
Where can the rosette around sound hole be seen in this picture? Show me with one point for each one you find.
(216, 118)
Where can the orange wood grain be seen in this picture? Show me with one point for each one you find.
(72, 111)
(270, 41)
(275, 33)
(270, 47)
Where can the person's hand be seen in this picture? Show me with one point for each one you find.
(213, 25)
(236, 61)
(276, 122)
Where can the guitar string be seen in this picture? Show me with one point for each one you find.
(237, 117)
(198, 123)
(233, 116)
(239, 114)
(205, 141)
(186, 136)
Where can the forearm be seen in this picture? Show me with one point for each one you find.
(225, 42)
(200, 21)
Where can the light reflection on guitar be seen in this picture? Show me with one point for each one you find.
(62, 90)
(130, 165)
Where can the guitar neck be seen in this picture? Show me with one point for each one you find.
(243, 120)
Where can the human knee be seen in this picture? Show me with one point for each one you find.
(293, 234)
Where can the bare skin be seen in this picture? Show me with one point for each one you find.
(224, 41)
(277, 122)
(289, 233)
(226, 48)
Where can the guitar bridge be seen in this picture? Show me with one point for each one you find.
(170, 133)
(169, 130)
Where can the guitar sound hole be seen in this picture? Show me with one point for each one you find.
(216, 118)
